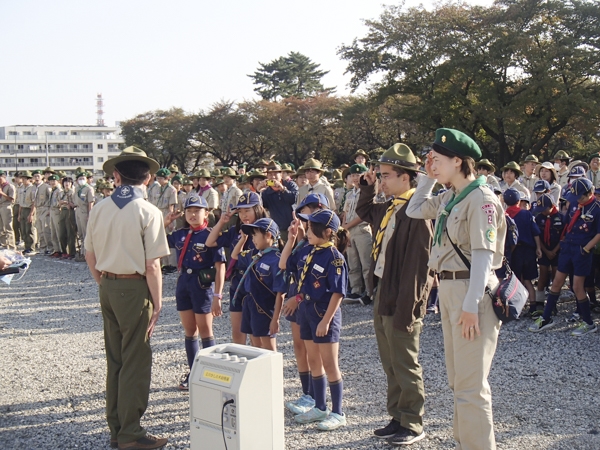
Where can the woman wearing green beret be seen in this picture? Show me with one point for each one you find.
(471, 217)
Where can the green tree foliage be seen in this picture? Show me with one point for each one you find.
(294, 75)
(515, 75)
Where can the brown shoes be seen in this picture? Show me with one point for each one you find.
(147, 442)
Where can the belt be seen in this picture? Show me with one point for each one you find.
(190, 271)
(129, 276)
(462, 275)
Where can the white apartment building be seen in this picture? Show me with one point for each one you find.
(62, 147)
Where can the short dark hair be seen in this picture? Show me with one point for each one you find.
(69, 179)
(133, 172)
(467, 166)
(412, 176)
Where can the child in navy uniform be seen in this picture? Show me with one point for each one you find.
(199, 267)
(523, 259)
(249, 209)
(321, 286)
(576, 254)
(262, 284)
(552, 223)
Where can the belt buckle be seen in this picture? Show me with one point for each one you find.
(307, 297)
(189, 271)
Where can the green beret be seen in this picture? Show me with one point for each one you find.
(594, 155)
(187, 182)
(218, 181)
(163, 173)
(358, 168)
(36, 172)
(3, 173)
(81, 174)
(176, 178)
(457, 143)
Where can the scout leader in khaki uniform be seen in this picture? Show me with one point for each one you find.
(165, 199)
(124, 244)
(7, 199)
(313, 170)
(27, 213)
(84, 202)
(67, 224)
(399, 271)
(471, 216)
(529, 177)
(207, 192)
(233, 193)
(41, 209)
(19, 192)
(55, 193)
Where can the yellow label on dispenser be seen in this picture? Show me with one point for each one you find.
(221, 377)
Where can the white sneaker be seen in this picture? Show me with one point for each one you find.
(312, 415)
(302, 405)
(333, 422)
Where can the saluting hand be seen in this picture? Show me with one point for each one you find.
(293, 228)
(370, 176)
(429, 165)
(226, 217)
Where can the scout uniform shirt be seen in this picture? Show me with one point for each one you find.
(528, 182)
(352, 197)
(515, 185)
(230, 198)
(198, 255)
(42, 196)
(556, 224)
(594, 177)
(318, 188)
(153, 192)
(55, 197)
(20, 194)
(164, 197)
(28, 196)
(587, 225)
(563, 177)
(9, 190)
(84, 195)
(212, 198)
(264, 280)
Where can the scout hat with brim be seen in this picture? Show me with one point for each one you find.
(25, 174)
(274, 167)
(456, 143)
(512, 165)
(360, 152)
(229, 172)
(287, 168)
(323, 216)
(61, 174)
(255, 173)
(261, 224)
(130, 154)
(531, 158)
(187, 182)
(173, 168)
(336, 174)
(218, 181)
(578, 163)
(562, 155)
(49, 170)
(546, 165)
(109, 185)
(99, 184)
(400, 155)
(486, 164)
(313, 164)
(203, 173)
(300, 171)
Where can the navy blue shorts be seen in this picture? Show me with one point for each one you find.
(310, 315)
(189, 295)
(544, 261)
(235, 281)
(572, 259)
(256, 316)
(523, 263)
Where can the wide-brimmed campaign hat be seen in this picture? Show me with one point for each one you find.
(400, 155)
(130, 154)
(512, 165)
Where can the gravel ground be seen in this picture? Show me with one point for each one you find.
(53, 368)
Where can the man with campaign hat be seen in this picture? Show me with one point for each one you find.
(19, 192)
(41, 210)
(398, 271)
(360, 157)
(232, 192)
(55, 194)
(7, 200)
(83, 199)
(529, 178)
(279, 198)
(358, 253)
(124, 243)
(561, 164)
(313, 169)
(165, 199)
(27, 213)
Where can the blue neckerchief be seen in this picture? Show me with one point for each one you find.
(255, 259)
(125, 194)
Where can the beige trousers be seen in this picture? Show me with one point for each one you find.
(359, 259)
(468, 365)
(7, 235)
(42, 225)
(81, 217)
(54, 229)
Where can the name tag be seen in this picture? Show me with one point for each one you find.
(200, 245)
(318, 268)
(264, 266)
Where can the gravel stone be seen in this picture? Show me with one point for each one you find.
(544, 386)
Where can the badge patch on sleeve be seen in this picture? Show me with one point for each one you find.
(490, 234)
(489, 210)
(337, 262)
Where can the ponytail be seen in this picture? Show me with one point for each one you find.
(343, 238)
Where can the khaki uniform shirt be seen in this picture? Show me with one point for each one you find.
(123, 239)
(517, 186)
(318, 188)
(163, 197)
(84, 195)
(28, 196)
(528, 182)
(230, 197)
(594, 177)
(350, 206)
(66, 196)
(212, 198)
(563, 178)
(476, 223)
(20, 194)
(42, 195)
(9, 190)
(55, 198)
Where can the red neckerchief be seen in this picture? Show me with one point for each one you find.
(553, 212)
(201, 190)
(576, 216)
(513, 210)
(187, 241)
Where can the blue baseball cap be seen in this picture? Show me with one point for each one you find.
(319, 199)
(511, 197)
(541, 186)
(262, 224)
(543, 203)
(195, 200)
(523, 196)
(325, 216)
(578, 187)
(248, 200)
(577, 172)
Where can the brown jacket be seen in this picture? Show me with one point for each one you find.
(406, 278)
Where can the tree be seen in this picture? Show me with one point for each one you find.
(294, 75)
(512, 75)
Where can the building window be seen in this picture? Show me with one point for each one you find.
(33, 160)
(20, 147)
(64, 133)
(86, 146)
(100, 146)
(21, 160)
(86, 159)
(59, 146)
(8, 161)
(100, 159)
(50, 133)
(12, 133)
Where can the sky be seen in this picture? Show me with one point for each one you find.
(143, 55)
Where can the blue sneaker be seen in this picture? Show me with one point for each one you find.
(333, 422)
(312, 415)
(302, 405)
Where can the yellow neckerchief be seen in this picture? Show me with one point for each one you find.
(384, 222)
(309, 258)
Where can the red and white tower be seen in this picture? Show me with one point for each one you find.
(99, 110)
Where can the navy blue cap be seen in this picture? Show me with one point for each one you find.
(511, 197)
(325, 216)
(195, 200)
(577, 172)
(319, 199)
(523, 196)
(248, 200)
(262, 224)
(580, 187)
(541, 186)
(544, 202)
